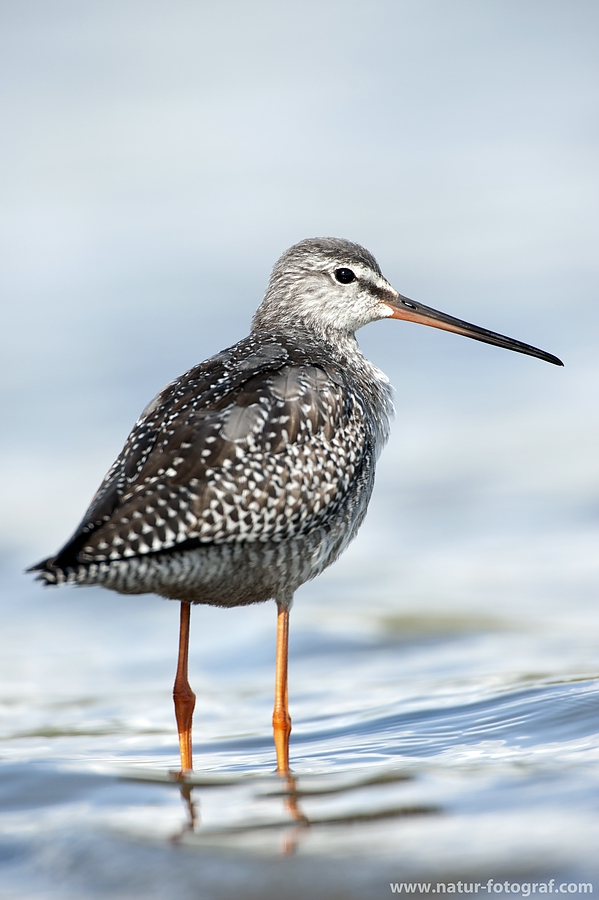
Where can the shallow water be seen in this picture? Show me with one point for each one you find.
(444, 692)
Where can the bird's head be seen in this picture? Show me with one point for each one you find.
(326, 284)
(333, 286)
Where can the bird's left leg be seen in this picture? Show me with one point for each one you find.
(184, 697)
(281, 720)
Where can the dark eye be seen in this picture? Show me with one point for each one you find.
(344, 276)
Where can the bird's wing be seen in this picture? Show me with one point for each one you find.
(255, 444)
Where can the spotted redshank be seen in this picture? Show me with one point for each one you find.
(252, 472)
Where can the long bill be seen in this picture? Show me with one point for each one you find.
(410, 311)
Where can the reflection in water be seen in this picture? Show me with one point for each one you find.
(289, 794)
(191, 808)
(288, 820)
(291, 800)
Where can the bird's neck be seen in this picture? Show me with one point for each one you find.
(334, 344)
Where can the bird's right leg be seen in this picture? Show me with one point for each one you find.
(184, 697)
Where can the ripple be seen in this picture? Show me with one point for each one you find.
(552, 713)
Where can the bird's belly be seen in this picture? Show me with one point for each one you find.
(237, 573)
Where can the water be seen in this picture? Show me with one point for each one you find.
(444, 694)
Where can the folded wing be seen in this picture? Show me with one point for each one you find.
(254, 444)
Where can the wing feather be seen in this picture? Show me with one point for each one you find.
(255, 444)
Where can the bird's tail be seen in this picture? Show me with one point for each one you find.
(48, 573)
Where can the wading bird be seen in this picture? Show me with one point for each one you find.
(251, 473)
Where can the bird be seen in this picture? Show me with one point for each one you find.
(251, 473)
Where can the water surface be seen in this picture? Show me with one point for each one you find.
(445, 701)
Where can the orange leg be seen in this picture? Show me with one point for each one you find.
(184, 697)
(281, 720)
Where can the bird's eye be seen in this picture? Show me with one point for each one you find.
(344, 276)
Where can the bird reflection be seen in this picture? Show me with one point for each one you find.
(292, 836)
(289, 793)
(292, 802)
(192, 813)
(287, 825)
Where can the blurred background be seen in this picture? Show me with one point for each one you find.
(156, 160)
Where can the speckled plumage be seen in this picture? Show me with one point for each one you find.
(250, 473)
